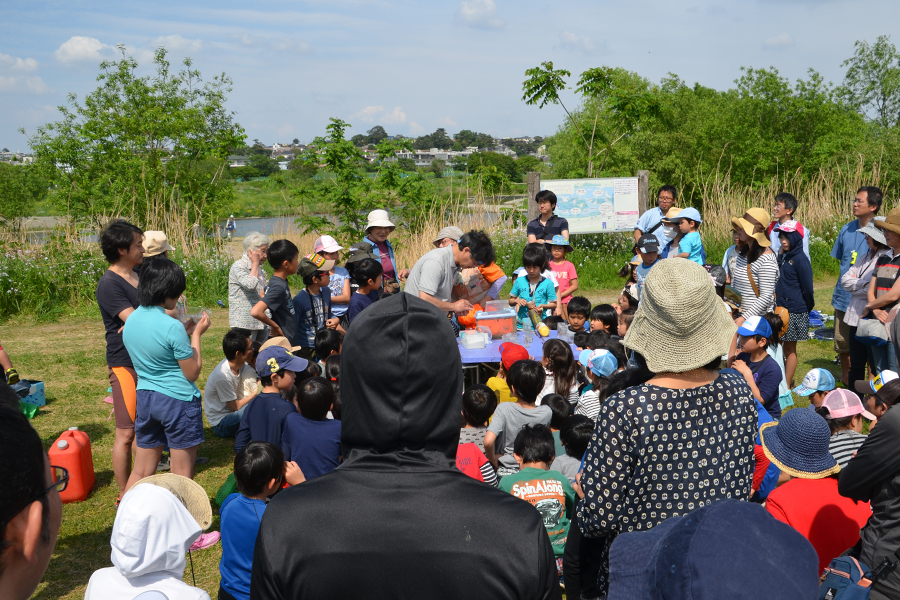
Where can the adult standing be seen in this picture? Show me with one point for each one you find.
(30, 506)
(650, 222)
(247, 286)
(399, 482)
(378, 229)
(884, 289)
(873, 475)
(684, 436)
(547, 225)
(756, 268)
(433, 276)
(848, 246)
(230, 226)
(122, 246)
(447, 236)
(856, 282)
(477, 284)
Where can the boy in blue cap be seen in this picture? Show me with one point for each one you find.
(761, 371)
(815, 385)
(690, 246)
(263, 419)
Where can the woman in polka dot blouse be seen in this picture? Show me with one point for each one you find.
(684, 436)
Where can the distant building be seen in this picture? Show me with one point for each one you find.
(235, 160)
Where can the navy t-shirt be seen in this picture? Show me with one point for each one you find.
(556, 228)
(767, 376)
(263, 420)
(281, 305)
(314, 445)
(114, 294)
(240, 520)
(360, 301)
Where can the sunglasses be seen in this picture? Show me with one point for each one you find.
(60, 482)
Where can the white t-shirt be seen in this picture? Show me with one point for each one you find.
(224, 386)
(550, 388)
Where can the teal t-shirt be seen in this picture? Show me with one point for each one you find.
(156, 342)
(543, 294)
(551, 494)
(691, 244)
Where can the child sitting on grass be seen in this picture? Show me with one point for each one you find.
(333, 375)
(328, 343)
(479, 403)
(310, 438)
(259, 471)
(604, 317)
(549, 491)
(509, 354)
(533, 291)
(263, 419)
(576, 434)
(561, 409)
(526, 378)
(599, 365)
(559, 363)
(625, 318)
(368, 273)
(815, 385)
(564, 271)
(581, 339)
(577, 313)
(627, 298)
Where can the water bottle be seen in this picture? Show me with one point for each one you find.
(527, 333)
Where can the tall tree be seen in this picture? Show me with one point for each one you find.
(872, 81)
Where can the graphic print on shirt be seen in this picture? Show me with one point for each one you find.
(548, 497)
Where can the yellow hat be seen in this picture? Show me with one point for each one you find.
(753, 223)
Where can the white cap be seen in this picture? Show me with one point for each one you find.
(62, 444)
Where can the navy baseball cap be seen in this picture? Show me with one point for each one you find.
(648, 243)
(726, 549)
(275, 358)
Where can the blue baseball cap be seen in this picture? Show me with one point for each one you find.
(690, 213)
(817, 380)
(755, 326)
(601, 362)
(275, 358)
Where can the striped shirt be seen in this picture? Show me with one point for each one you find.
(886, 270)
(765, 274)
(843, 444)
(589, 405)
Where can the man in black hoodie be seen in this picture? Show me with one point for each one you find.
(397, 519)
(873, 475)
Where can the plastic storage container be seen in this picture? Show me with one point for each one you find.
(72, 451)
(500, 322)
(472, 339)
(496, 305)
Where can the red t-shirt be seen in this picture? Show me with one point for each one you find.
(564, 271)
(385, 256)
(813, 507)
(469, 460)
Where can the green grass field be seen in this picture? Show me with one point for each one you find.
(69, 356)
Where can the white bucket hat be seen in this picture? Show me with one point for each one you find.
(680, 324)
(378, 218)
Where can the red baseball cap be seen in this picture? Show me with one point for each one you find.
(510, 353)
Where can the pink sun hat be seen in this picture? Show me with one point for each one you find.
(326, 243)
(844, 403)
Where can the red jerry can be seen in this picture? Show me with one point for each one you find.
(72, 451)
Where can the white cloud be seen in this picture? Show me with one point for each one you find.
(14, 63)
(395, 117)
(176, 43)
(782, 40)
(79, 48)
(367, 115)
(415, 128)
(27, 85)
(377, 114)
(481, 14)
(572, 41)
(446, 122)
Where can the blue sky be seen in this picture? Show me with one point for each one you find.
(414, 66)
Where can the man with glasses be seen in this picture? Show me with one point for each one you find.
(849, 245)
(650, 222)
(433, 276)
(30, 507)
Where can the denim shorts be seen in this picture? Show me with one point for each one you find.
(163, 420)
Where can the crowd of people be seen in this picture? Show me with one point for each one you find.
(647, 452)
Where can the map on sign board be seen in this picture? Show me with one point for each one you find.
(596, 205)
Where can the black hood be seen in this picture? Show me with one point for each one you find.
(401, 386)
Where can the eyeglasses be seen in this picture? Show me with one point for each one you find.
(60, 481)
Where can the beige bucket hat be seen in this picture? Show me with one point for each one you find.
(279, 340)
(378, 218)
(156, 242)
(189, 492)
(754, 223)
(680, 324)
(891, 222)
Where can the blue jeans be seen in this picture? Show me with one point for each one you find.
(228, 426)
(883, 358)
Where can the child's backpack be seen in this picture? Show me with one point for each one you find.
(845, 578)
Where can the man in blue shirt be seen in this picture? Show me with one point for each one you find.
(650, 222)
(849, 245)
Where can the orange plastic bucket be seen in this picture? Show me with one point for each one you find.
(72, 451)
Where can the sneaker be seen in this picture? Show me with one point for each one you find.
(12, 376)
(206, 540)
(163, 464)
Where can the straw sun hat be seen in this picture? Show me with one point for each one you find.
(754, 223)
(188, 492)
(892, 222)
(680, 324)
